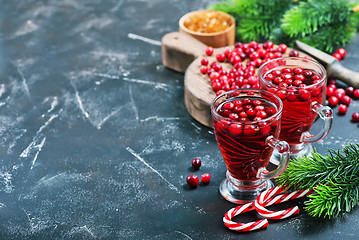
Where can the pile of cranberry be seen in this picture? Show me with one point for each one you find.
(340, 96)
(240, 76)
(244, 76)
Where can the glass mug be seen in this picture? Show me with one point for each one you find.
(246, 124)
(300, 83)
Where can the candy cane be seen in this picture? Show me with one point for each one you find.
(266, 199)
(243, 227)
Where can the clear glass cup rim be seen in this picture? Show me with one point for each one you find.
(294, 58)
(274, 116)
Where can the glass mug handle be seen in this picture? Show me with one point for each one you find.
(324, 113)
(283, 149)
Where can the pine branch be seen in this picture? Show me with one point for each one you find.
(334, 178)
(255, 19)
(308, 17)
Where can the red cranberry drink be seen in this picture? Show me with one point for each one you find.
(246, 124)
(300, 83)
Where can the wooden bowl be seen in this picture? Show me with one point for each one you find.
(214, 39)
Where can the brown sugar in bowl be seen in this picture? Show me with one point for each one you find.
(213, 28)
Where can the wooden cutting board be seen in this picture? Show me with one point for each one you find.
(183, 53)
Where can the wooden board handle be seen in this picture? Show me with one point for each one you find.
(179, 50)
(347, 76)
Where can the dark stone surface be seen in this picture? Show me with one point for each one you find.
(96, 142)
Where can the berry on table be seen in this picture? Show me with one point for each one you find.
(209, 51)
(356, 93)
(204, 61)
(337, 56)
(349, 91)
(333, 101)
(196, 163)
(192, 180)
(221, 57)
(205, 178)
(294, 53)
(342, 109)
(345, 100)
(342, 52)
(355, 117)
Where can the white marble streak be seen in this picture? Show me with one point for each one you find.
(24, 83)
(135, 110)
(2, 89)
(105, 75)
(79, 101)
(171, 186)
(157, 85)
(104, 120)
(34, 144)
(157, 118)
(39, 148)
(187, 237)
(144, 39)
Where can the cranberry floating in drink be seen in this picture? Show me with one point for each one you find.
(246, 124)
(300, 84)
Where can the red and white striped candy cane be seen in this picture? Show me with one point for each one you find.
(243, 227)
(266, 199)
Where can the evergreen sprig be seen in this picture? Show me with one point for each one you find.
(324, 24)
(308, 17)
(334, 179)
(255, 19)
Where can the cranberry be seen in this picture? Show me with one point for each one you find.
(337, 56)
(228, 105)
(219, 92)
(216, 86)
(333, 101)
(345, 100)
(196, 163)
(204, 61)
(235, 129)
(330, 91)
(349, 91)
(268, 44)
(192, 180)
(276, 72)
(205, 178)
(261, 114)
(283, 47)
(233, 116)
(342, 109)
(265, 128)
(257, 102)
(270, 111)
(298, 70)
(355, 117)
(249, 130)
(204, 69)
(340, 92)
(332, 82)
(261, 52)
(304, 95)
(356, 93)
(269, 76)
(342, 52)
(291, 97)
(294, 53)
(221, 57)
(308, 73)
(209, 51)
(238, 45)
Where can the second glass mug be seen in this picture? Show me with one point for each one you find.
(300, 83)
(246, 124)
